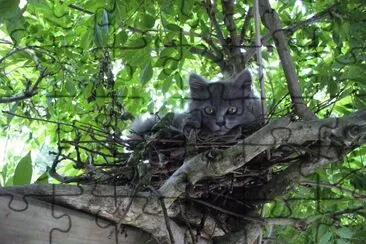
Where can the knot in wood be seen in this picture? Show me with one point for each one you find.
(213, 154)
(356, 133)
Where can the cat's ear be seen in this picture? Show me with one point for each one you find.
(196, 82)
(198, 86)
(243, 79)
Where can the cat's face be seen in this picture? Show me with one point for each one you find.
(224, 105)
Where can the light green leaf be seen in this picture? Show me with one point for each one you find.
(179, 80)
(70, 88)
(43, 179)
(39, 4)
(146, 74)
(345, 232)
(12, 110)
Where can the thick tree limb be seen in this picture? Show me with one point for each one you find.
(248, 235)
(354, 135)
(271, 20)
(283, 131)
(110, 203)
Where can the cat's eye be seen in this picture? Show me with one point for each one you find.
(232, 110)
(210, 110)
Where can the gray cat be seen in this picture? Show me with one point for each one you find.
(216, 107)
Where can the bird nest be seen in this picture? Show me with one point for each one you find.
(149, 160)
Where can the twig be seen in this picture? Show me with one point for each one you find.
(245, 26)
(331, 186)
(254, 219)
(165, 212)
(205, 53)
(257, 22)
(212, 15)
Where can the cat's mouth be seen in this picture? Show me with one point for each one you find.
(222, 131)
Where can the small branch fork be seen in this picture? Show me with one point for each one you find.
(30, 90)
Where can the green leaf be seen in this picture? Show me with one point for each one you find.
(179, 80)
(170, 26)
(70, 88)
(358, 180)
(43, 179)
(40, 4)
(12, 110)
(325, 238)
(15, 27)
(173, 27)
(345, 232)
(147, 21)
(105, 22)
(23, 171)
(146, 74)
(8, 8)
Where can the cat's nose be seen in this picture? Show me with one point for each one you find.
(220, 123)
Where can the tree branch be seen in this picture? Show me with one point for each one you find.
(29, 90)
(207, 54)
(248, 234)
(107, 202)
(276, 133)
(228, 12)
(146, 212)
(211, 11)
(271, 21)
(245, 26)
(327, 153)
(250, 52)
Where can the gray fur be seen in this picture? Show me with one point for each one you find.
(236, 92)
(220, 96)
(141, 126)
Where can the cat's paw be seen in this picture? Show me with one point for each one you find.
(190, 132)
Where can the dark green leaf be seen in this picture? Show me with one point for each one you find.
(23, 171)
(325, 239)
(148, 21)
(358, 180)
(173, 27)
(8, 8)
